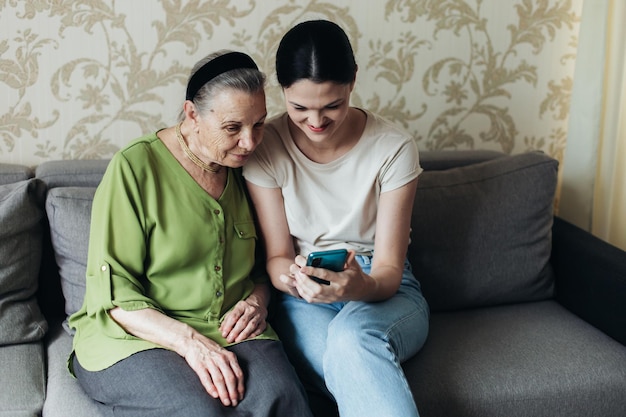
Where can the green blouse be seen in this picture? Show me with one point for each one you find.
(158, 240)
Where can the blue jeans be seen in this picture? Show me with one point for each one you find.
(353, 350)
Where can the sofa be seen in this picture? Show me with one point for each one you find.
(528, 312)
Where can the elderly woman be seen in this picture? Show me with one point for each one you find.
(174, 317)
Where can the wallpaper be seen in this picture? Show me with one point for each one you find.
(81, 78)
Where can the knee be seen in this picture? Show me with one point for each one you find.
(192, 405)
(348, 341)
(285, 396)
(285, 385)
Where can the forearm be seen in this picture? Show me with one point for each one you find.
(216, 367)
(386, 281)
(277, 266)
(260, 295)
(156, 327)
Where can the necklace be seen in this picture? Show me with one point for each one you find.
(191, 155)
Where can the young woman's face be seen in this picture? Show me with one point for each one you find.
(318, 109)
(233, 128)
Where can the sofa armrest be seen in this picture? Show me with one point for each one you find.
(590, 278)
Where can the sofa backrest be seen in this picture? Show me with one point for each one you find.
(72, 173)
(481, 229)
(11, 173)
(443, 160)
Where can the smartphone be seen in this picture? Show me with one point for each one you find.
(333, 260)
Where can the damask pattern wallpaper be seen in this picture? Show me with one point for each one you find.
(81, 78)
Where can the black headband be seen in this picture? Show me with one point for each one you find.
(215, 67)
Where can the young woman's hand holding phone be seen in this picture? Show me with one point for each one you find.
(344, 285)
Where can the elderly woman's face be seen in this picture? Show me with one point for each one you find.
(233, 127)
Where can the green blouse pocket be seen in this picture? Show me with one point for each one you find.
(245, 230)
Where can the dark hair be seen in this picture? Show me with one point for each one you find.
(317, 50)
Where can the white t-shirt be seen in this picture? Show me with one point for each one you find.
(334, 205)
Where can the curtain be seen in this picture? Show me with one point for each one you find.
(593, 182)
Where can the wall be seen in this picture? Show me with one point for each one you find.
(81, 78)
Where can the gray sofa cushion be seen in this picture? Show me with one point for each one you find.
(481, 234)
(23, 376)
(64, 396)
(530, 359)
(20, 255)
(69, 214)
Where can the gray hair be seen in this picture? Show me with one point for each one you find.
(242, 79)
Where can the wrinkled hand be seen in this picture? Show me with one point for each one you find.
(246, 320)
(218, 369)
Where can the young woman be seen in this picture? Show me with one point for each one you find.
(331, 176)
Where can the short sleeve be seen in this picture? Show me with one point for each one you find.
(263, 168)
(402, 166)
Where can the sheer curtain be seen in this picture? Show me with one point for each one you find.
(593, 182)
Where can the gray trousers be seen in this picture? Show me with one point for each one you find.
(159, 382)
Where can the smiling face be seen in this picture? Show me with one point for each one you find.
(318, 109)
(231, 129)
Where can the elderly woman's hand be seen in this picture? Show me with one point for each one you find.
(217, 368)
(248, 318)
